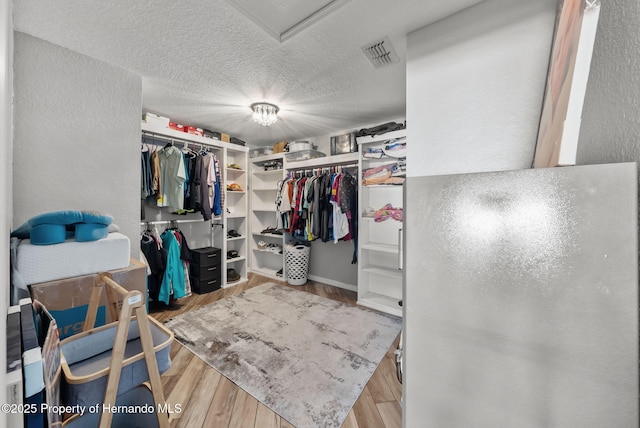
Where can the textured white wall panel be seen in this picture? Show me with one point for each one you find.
(475, 83)
(610, 129)
(77, 135)
(6, 49)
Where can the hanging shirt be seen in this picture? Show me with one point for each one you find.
(173, 280)
(172, 178)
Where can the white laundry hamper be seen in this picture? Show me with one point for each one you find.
(297, 262)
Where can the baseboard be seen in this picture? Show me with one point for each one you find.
(344, 285)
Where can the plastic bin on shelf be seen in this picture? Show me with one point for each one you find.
(297, 262)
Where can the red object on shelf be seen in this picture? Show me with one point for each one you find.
(193, 130)
(176, 126)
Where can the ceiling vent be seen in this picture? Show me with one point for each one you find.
(381, 53)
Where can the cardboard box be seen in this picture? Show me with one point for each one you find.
(225, 137)
(68, 299)
(279, 147)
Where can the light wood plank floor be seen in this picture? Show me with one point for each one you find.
(208, 399)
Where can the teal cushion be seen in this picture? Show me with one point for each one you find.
(57, 217)
(47, 234)
(91, 231)
(54, 227)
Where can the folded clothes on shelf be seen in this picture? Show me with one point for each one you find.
(387, 212)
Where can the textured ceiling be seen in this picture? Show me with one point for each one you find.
(203, 62)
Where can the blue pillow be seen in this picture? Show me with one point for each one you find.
(55, 227)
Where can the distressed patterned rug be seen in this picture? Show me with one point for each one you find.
(306, 357)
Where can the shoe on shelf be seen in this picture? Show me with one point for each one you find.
(232, 254)
(234, 187)
(262, 245)
(279, 273)
(233, 234)
(233, 166)
(269, 229)
(232, 275)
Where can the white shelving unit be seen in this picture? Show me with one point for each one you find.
(235, 213)
(263, 190)
(235, 205)
(380, 243)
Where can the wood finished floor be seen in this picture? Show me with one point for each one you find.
(209, 399)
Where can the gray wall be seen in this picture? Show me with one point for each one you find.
(76, 135)
(610, 129)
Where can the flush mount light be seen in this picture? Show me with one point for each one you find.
(265, 114)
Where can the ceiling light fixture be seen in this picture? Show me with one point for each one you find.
(265, 114)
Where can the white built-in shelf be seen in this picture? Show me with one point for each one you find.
(324, 161)
(376, 270)
(380, 302)
(156, 129)
(242, 280)
(384, 186)
(266, 189)
(237, 238)
(382, 138)
(235, 191)
(235, 215)
(236, 259)
(383, 248)
(277, 172)
(268, 235)
(235, 170)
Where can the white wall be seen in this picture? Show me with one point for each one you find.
(6, 75)
(77, 135)
(475, 84)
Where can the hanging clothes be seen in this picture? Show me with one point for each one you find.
(172, 178)
(318, 205)
(173, 279)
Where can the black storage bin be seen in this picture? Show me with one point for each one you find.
(208, 256)
(205, 270)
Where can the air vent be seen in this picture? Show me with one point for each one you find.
(381, 53)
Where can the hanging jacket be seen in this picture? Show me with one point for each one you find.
(173, 280)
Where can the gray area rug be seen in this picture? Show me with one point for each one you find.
(306, 357)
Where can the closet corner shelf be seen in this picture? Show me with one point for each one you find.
(382, 138)
(237, 238)
(233, 284)
(236, 215)
(382, 248)
(382, 186)
(324, 161)
(380, 302)
(270, 172)
(268, 235)
(235, 170)
(265, 189)
(236, 259)
(375, 270)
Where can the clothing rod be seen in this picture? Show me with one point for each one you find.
(165, 138)
(328, 165)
